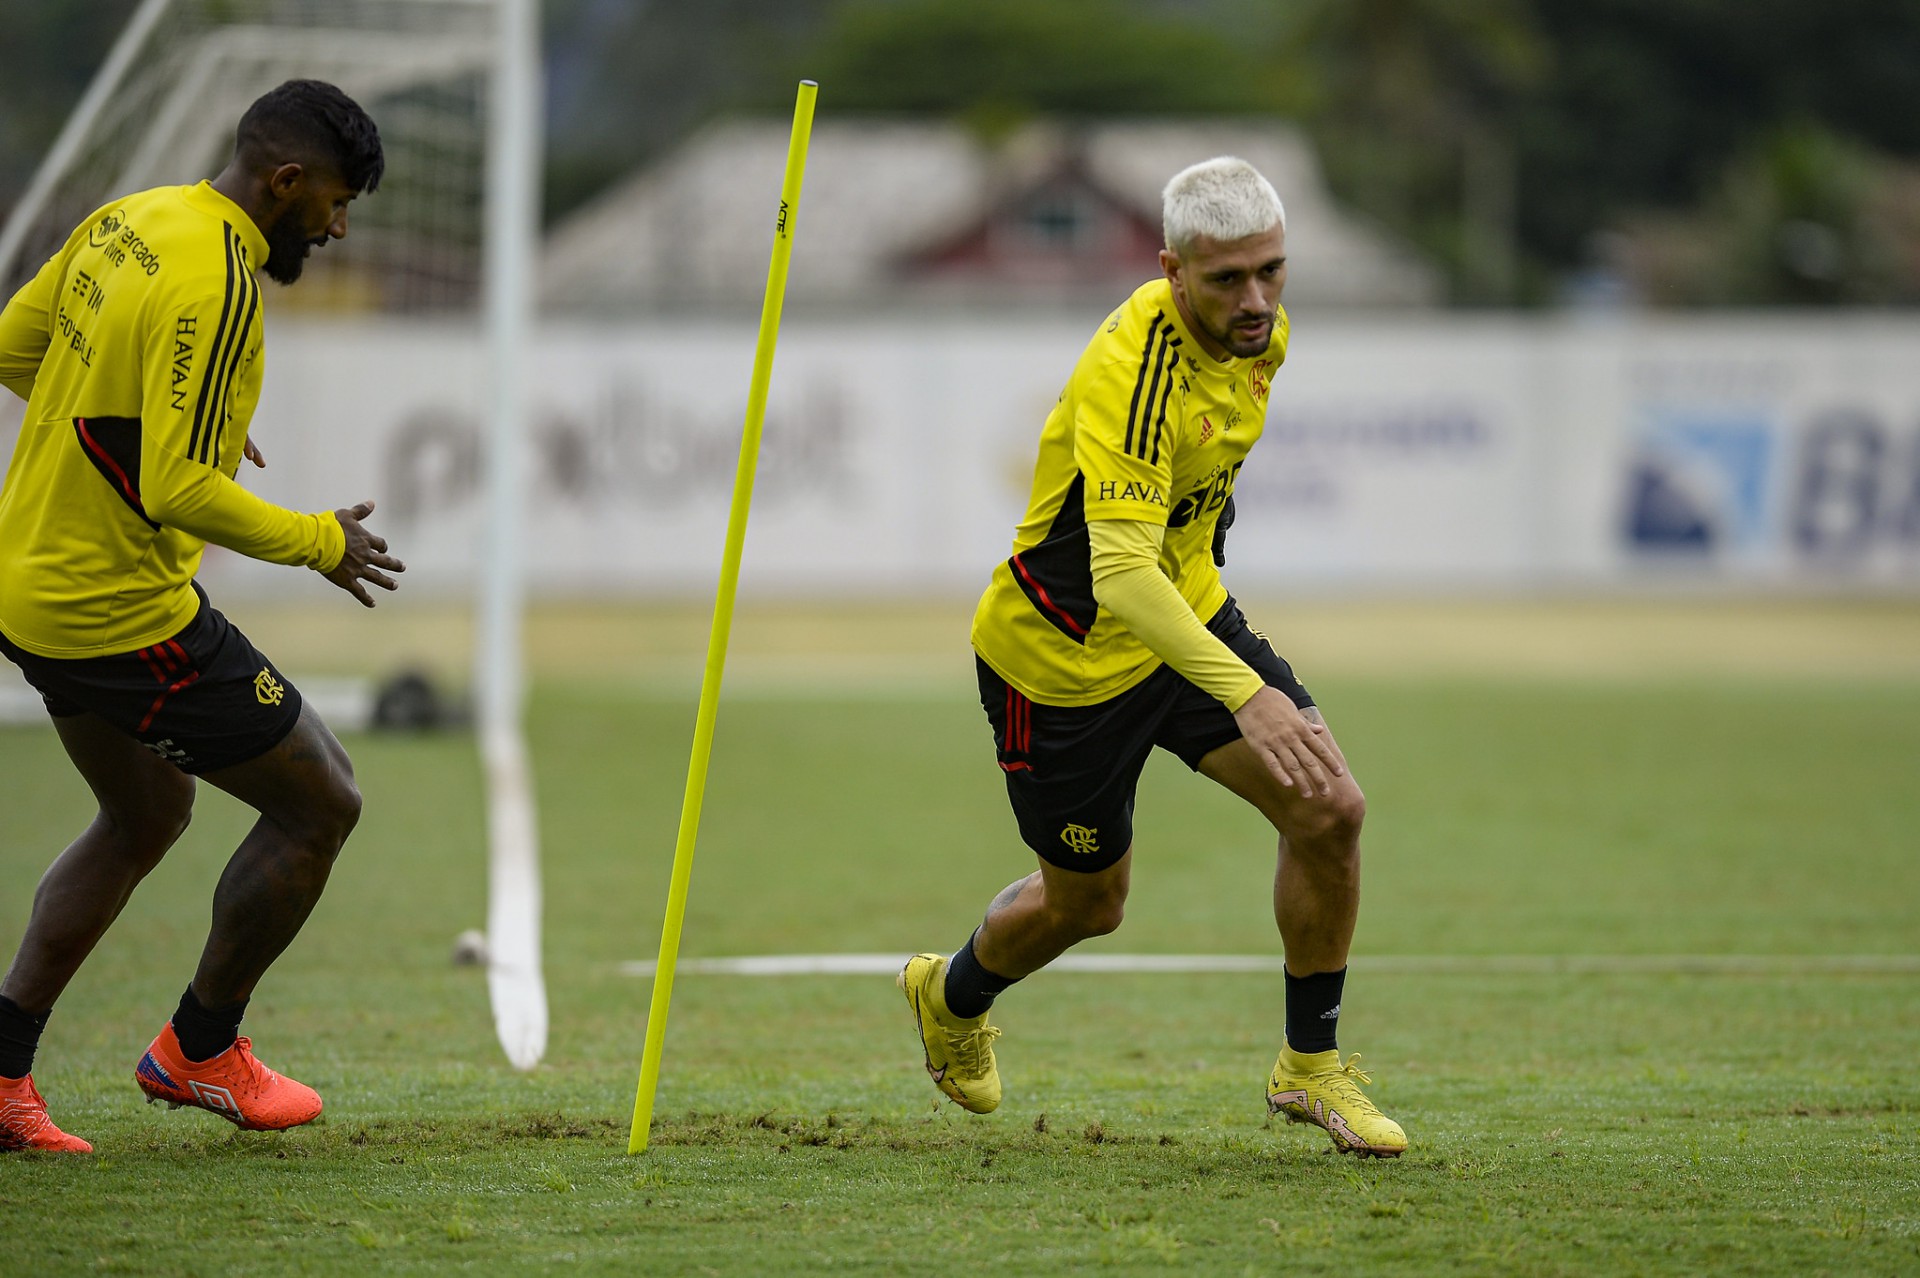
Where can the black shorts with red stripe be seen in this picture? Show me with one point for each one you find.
(203, 700)
(1072, 770)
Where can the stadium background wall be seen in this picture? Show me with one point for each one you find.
(1433, 455)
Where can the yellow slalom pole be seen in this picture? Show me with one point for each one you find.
(722, 617)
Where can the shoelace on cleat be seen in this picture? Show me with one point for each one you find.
(971, 1047)
(28, 1114)
(1344, 1082)
(256, 1070)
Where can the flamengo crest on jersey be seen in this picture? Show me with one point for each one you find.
(1149, 427)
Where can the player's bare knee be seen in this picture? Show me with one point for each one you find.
(343, 805)
(1106, 917)
(146, 831)
(1330, 821)
(167, 827)
(334, 802)
(1097, 914)
(325, 815)
(1347, 812)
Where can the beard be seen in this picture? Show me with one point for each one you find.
(1245, 348)
(287, 251)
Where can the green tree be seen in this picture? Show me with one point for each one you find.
(1651, 101)
(996, 61)
(627, 81)
(1802, 216)
(1412, 102)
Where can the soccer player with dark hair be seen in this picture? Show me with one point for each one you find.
(1108, 632)
(138, 350)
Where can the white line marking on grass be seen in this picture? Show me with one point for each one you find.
(1418, 964)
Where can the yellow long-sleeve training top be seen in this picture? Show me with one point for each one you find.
(138, 350)
(1112, 569)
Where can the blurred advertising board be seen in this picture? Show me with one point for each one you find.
(1436, 453)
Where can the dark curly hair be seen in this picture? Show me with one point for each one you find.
(309, 121)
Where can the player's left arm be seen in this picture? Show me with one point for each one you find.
(26, 328)
(181, 483)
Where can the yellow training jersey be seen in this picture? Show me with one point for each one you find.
(137, 349)
(1150, 427)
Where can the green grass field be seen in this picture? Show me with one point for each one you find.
(1604, 1120)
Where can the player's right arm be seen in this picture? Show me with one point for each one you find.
(1128, 582)
(26, 328)
(181, 484)
(1124, 446)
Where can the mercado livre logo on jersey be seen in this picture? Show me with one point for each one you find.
(107, 228)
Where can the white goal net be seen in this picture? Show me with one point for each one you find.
(164, 106)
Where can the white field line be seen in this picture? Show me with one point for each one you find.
(1415, 964)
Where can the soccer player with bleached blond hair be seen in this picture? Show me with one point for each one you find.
(1108, 632)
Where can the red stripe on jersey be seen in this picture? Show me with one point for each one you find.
(100, 455)
(1047, 599)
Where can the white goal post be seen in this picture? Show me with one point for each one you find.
(454, 88)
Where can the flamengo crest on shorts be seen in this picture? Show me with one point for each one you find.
(1081, 839)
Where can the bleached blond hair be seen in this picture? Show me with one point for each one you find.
(1224, 199)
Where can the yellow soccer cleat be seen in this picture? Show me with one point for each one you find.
(1316, 1088)
(959, 1052)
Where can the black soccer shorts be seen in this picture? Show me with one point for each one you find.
(203, 700)
(1072, 770)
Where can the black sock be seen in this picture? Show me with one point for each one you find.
(1313, 1010)
(19, 1038)
(971, 988)
(205, 1033)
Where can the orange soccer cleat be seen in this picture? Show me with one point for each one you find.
(234, 1085)
(24, 1123)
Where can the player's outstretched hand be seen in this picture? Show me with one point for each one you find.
(1296, 749)
(365, 556)
(253, 454)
